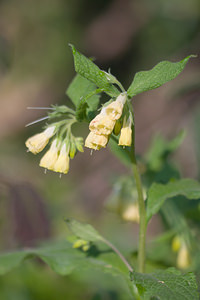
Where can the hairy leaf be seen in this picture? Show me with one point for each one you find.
(159, 75)
(86, 68)
(166, 285)
(158, 193)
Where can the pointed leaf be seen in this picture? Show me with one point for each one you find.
(83, 231)
(86, 68)
(159, 75)
(158, 193)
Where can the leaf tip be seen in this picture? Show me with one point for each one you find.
(72, 47)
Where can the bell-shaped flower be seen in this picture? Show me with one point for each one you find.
(125, 138)
(131, 213)
(102, 124)
(183, 258)
(37, 143)
(62, 163)
(114, 110)
(49, 159)
(96, 141)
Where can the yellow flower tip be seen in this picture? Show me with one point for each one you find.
(183, 258)
(125, 138)
(176, 243)
(62, 163)
(131, 213)
(37, 143)
(49, 159)
(114, 109)
(96, 141)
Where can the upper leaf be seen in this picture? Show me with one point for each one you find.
(83, 231)
(166, 285)
(86, 68)
(160, 74)
(158, 193)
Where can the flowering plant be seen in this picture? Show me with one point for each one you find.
(112, 123)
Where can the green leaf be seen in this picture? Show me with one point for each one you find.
(166, 285)
(79, 88)
(10, 260)
(159, 75)
(86, 68)
(63, 259)
(84, 231)
(158, 193)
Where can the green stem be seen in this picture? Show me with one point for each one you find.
(142, 211)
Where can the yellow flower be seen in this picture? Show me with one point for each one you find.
(49, 159)
(62, 163)
(114, 109)
(36, 143)
(102, 124)
(131, 213)
(183, 258)
(125, 138)
(96, 141)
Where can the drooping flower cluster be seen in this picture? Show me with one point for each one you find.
(58, 156)
(103, 124)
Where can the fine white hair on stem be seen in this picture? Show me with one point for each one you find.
(37, 121)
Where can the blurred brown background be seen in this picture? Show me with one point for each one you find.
(36, 68)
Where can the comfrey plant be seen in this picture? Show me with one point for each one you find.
(112, 123)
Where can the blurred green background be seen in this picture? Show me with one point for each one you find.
(36, 67)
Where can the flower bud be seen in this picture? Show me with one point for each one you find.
(125, 138)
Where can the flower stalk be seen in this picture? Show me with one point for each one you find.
(142, 211)
(141, 203)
